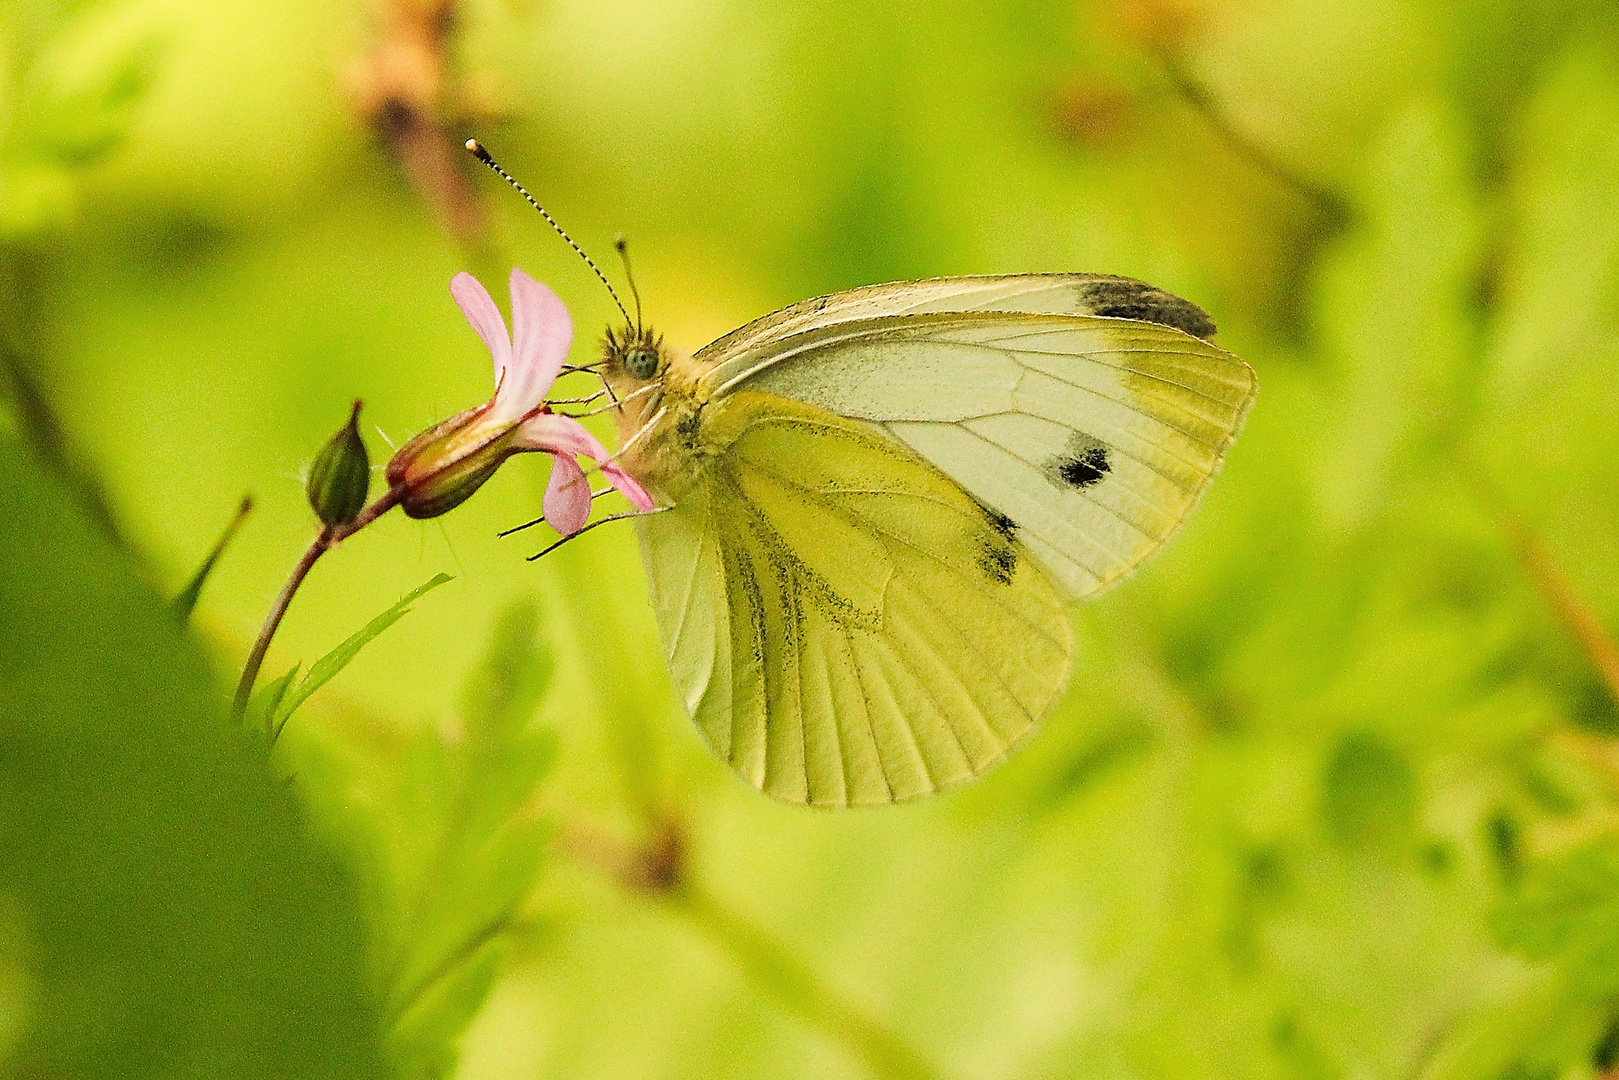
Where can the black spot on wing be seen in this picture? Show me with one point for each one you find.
(1127, 298)
(1085, 470)
(1082, 464)
(997, 555)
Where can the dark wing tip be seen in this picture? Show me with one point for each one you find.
(1127, 298)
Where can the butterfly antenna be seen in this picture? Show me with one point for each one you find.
(623, 247)
(475, 148)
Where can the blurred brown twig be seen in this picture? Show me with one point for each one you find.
(405, 91)
(1566, 603)
(1332, 206)
(1543, 571)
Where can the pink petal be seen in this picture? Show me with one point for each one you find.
(564, 435)
(556, 434)
(542, 332)
(628, 487)
(567, 496)
(484, 316)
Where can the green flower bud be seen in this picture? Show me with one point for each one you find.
(340, 476)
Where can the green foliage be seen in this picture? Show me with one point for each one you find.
(1566, 910)
(264, 708)
(185, 602)
(280, 699)
(164, 911)
(69, 92)
(453, 842)
(467, 806)
(1368, 793)
(1307, 807)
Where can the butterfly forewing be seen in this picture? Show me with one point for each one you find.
(1094, 436)
(1049, 294)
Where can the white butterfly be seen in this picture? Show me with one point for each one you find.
(880, 502)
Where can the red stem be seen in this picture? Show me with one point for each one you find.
(329, 538)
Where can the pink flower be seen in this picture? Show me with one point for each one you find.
(440, 468)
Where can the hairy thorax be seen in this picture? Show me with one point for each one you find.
(661, 420)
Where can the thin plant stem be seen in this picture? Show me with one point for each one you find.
(1566, 602)
(1199, 100)
(656, 870)
(329, 538)
(772, 966)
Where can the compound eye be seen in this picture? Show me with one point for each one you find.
(641, 363)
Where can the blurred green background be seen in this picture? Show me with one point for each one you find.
(1333, 793)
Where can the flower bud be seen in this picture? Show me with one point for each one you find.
(439, 469)
(340, 476)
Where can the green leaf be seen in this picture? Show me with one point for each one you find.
(422, 1041)
(88, 84)
(1395, 306)
(475, 897)
(1369, 793)
(1546, 436)
(1557, 303)
(1566, 911)
(170, 914)
(186, 602)
(261, 710)
(323, 670)
(1534, 1026)
(512, 677)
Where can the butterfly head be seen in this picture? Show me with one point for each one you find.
(633, 355)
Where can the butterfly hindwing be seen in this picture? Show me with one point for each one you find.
(881, 634)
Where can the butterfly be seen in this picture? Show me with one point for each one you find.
(873, 508)
(877, 505)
